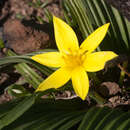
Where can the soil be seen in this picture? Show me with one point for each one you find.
(23, 33)
(28, 34)
(24, 39)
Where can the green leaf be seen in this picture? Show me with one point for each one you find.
(48, 15)
(25, 59)
(5, 107)
(104, 119)
(44, 112)
(88, 117)
(16, 90)
(17, 111)
(91, 14)
(1, 44)
(51, 121)
(25, 70)
(49, 114)
(71, 122)
(117, 122)
(29, 74)
(108, 118)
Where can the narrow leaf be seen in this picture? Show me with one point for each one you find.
(17, 111)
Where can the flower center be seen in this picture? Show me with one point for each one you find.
(73, 58)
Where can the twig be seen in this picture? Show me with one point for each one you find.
(122, 69)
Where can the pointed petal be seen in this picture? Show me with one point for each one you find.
(66, 39)
(94, 39)
(56, 80)
(80, 82)
(51, 59)
(96, 61)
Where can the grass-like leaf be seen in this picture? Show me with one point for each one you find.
(16, 111)
(50, 114)
(90, 14)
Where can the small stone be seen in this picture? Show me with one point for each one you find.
(109, 88)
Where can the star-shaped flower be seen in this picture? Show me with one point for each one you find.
(73, 60)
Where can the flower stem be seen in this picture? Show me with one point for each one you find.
(1, 44)
(94, 95)
(93, 76)
(123, 72)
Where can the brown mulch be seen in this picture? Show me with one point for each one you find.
(24, 39)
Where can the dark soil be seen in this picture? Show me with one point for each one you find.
(23, 33)
(24, 39)
(28, 34)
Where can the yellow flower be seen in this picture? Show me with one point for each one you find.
(73, 60)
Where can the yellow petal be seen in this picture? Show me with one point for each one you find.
(94, 39)
(66, 39)
(51, 59)
(55, 80)
(96, 61)
(80, 82)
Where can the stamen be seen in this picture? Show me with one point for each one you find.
(84, 52)
(73, 58)
(66, 52)
(70, 50)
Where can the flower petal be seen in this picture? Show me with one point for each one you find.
(55, 80)
(80, 82)
(94, 39)
(96, 61)
(66, 39)
(51, 59)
